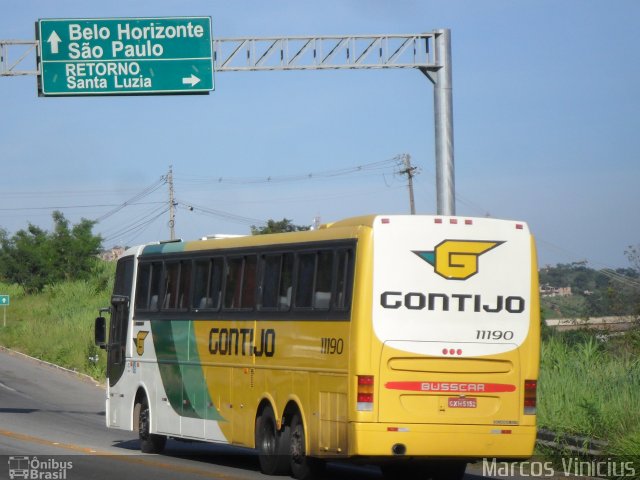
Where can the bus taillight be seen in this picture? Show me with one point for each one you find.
(365, 393)
(530, 387)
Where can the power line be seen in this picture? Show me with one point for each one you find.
(69, 207)
(140, 218)
(147, 191)
(220, 214)
(139, 224)
(301, 198)
(137, 231)
(63, 193)
(368, 167)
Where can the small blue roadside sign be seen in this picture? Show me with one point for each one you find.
(4, 301)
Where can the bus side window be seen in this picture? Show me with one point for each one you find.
(148, 286)
(184, 290)
(249, 282)
(215, 282)
(142, 287)
(323, 277)
(272, 265)
(277, 279)
(344, 279)
(155, 286)
(286, 282)
(207, 284)
(233, 283)
(240, 283)
(304, 280)
(171, 281)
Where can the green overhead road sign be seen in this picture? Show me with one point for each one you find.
(4, 300)
(125, 56)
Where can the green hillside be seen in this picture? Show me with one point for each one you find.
(594, 293)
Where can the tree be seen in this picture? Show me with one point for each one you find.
(34, 257)
(278, 226)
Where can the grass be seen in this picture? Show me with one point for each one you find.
(590, 386)
(56, 325)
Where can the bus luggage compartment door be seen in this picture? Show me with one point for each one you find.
(453, 390)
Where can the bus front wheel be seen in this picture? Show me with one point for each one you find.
(149, 442)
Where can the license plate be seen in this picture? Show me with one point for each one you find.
(455, 402)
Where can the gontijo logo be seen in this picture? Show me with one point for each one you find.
(457, 259)
(139, 342)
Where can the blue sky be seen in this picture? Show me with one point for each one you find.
(546, 123)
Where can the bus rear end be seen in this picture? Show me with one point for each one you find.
(454, 331)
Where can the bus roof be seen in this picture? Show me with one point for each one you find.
(346, 228)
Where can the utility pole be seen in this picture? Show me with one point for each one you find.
(172, 205)
(410, 172)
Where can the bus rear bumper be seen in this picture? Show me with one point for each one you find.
(469, 441)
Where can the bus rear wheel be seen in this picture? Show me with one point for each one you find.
(303, 467)
(149, 442)
(272, 445)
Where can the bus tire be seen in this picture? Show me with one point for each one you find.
(149, 442)
(303, 467)
(272, 445)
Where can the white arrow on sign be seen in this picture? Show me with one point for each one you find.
(192, 80)
(54, 40)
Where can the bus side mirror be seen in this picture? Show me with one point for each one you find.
(100, 332)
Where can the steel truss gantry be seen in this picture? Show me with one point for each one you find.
(428, 52)
(324, 52)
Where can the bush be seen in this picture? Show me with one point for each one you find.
(34, 258)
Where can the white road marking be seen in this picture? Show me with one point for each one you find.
(7, 387)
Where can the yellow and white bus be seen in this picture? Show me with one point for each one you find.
(407, 341)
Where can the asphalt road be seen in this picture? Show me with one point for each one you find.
(54, 420)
